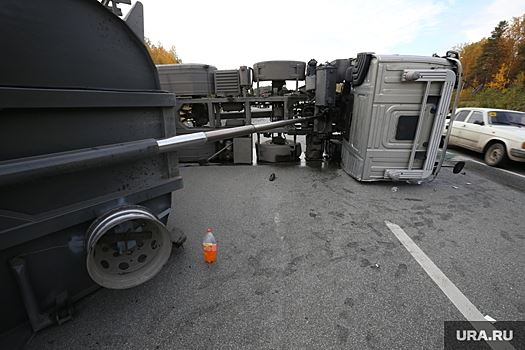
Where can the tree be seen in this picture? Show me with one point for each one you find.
(487, 64)
(500, 80)
(516, 36)
(494, 68)
(160, 55)
(470, 54)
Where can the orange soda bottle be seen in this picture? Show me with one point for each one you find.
(209, 247)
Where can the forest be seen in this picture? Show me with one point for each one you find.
(494, 68)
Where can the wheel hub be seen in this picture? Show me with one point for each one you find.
(126, 247)
(495, 155)
(122, 254)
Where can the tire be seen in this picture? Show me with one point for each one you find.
(496, 154)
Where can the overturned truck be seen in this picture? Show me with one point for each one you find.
(90, 140)
(382, 115)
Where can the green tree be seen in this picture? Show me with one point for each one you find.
(490, 58)
(494, 68)
(516, 37)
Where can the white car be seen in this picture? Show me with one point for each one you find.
(497, 133)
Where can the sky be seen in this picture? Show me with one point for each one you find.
(228, 34)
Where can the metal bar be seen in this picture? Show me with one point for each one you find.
(23, 169)
(243, 115)
(419, 125)
(258, 146)
(439, 121)
(452, 115)
(37, 319)
(248, 112)
(296, 77)
(177, 142)
(211, 113)
(219, 152)
(240, 99)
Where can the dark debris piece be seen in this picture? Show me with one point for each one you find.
(272, 177)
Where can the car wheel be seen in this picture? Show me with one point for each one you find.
(496, 154)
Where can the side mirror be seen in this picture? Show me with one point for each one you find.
(458, 167)
(479, 122)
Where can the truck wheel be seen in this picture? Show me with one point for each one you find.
(496, 154)
(126, 247)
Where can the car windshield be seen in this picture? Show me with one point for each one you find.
(507, 118)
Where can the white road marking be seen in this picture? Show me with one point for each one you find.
(490, 319)
(460, 301)
(464, 305)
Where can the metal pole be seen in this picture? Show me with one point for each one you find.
(419, 125)
(452, 115)
(177, 142)
(24, 169)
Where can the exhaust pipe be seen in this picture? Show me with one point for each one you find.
(126, 247)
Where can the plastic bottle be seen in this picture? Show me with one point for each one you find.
(209, 247)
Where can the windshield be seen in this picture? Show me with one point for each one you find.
(507, 118)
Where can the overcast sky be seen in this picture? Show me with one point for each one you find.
(228, 34)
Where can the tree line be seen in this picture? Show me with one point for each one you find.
(160, 55)
(494, 68)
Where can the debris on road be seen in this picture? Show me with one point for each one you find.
(272, 177)
(394, 189)
(375, 266)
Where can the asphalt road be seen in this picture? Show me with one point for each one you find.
(459, 153)
(297, 264)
